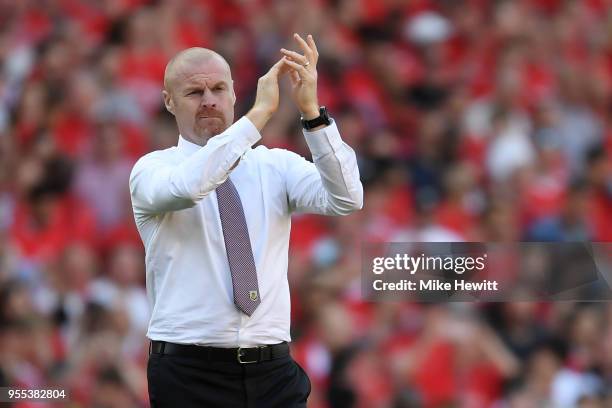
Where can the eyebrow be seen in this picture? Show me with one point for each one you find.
(193, 86)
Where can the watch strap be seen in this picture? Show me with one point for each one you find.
(322, 119)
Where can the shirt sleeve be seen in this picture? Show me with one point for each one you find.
(157, 185)
(330, 186)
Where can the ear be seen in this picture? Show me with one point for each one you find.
(233, 96)
(168, 101)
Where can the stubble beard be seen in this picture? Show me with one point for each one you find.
(204, 133)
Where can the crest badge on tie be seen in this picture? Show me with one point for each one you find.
(253, 295)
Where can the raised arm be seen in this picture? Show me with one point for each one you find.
(157, 185)
(331, 185)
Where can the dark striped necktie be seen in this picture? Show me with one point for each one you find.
(238, 248)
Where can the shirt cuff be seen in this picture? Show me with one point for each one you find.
(245, 127)
(323, 141)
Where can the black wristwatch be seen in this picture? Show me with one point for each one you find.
(322, 119)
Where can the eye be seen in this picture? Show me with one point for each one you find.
(195, 92)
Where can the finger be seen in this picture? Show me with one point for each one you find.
(294, 77)
(299, 58)
(277, 66)
(278, 69)
(299, 68)
(307, 51)
(313, 46)
(284, 69)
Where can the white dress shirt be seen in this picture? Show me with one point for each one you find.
(188, 278)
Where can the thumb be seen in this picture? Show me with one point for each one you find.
(278, 68)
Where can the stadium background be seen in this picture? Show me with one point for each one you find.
(473, 120)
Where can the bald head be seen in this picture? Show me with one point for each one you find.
(199, 92)
(185, 62)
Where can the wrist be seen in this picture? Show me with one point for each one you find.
(311, 112)
(318, 122)
(263, 111)
(259, 116)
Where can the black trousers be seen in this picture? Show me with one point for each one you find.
(187, 382)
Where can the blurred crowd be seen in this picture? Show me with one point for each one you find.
(473, 120)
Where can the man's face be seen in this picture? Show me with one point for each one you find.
(201, 97)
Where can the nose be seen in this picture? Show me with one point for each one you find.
(208, 100)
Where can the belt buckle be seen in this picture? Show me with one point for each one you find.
(239, 355)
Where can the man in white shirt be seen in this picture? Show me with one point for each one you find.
(215, 216)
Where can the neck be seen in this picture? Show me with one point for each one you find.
(200, 141)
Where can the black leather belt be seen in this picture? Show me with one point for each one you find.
(242, 355)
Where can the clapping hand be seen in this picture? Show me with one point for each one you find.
(267, 98)
(303, 76)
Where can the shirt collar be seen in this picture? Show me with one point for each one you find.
(187, 147)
